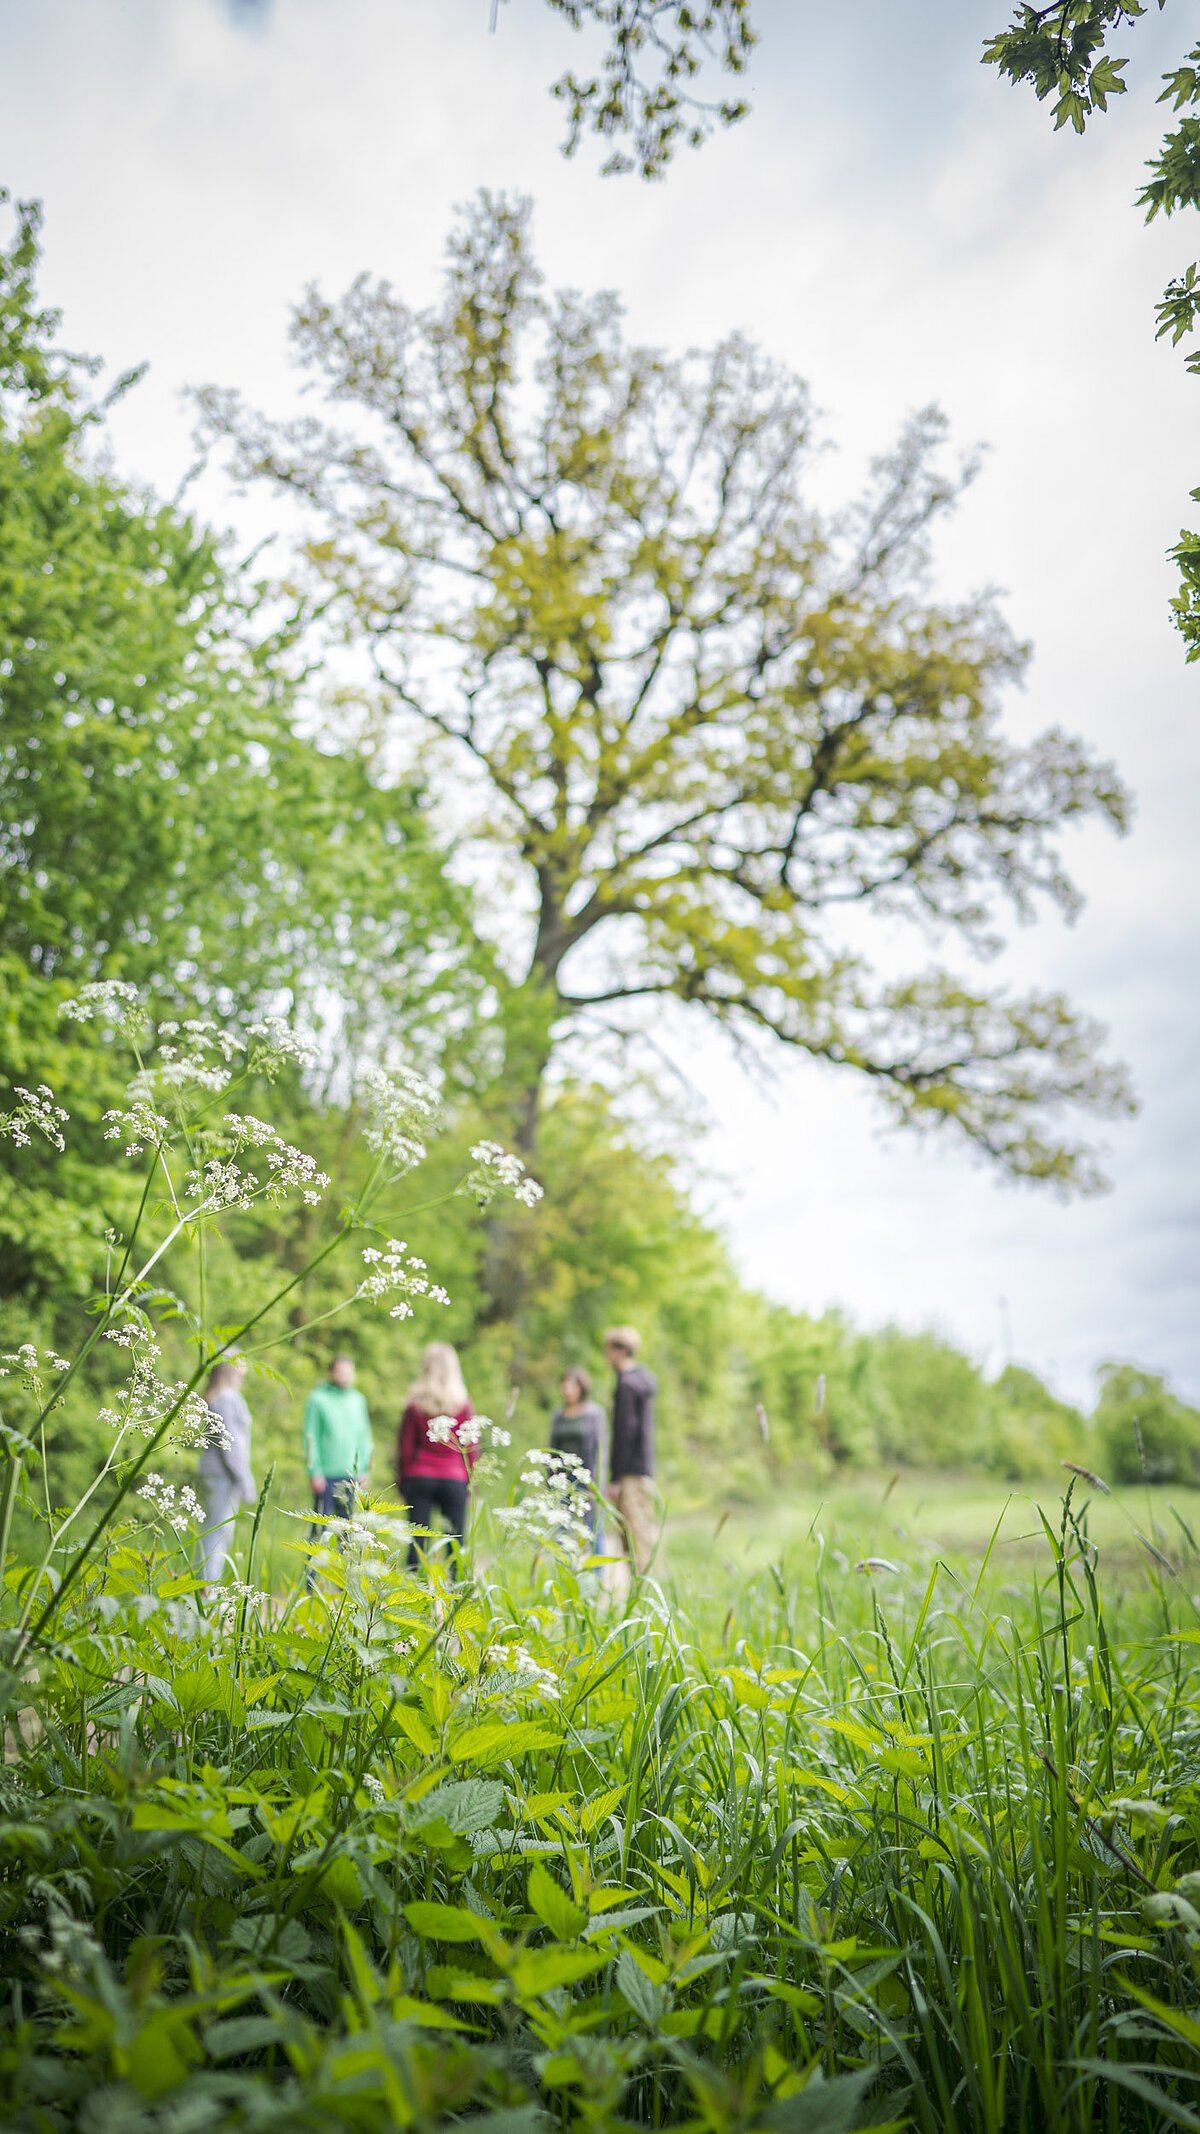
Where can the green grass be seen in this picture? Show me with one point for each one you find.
(790, 1845)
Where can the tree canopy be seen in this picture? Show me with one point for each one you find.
(710, 729)
(163, 819)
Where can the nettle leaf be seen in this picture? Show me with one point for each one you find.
(446, 1922)
(639, 1993)
(537, 1971)
(565, 1919)
(498, 1741)
(824, 2106)
(465, 1806)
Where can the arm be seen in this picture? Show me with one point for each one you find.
(645, 1431)
(365, 1449)
(314, 1437)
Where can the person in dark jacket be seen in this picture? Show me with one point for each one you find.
(436, 1448)
(578, 1430)
(631, 1460)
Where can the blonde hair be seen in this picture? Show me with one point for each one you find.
(439, 1388)
(224, 1375)
(623, 1337)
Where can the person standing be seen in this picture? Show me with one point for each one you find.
(578, 1431)
(337, 1444)
(436, 1448)
(631, 1464)
(225, 1476)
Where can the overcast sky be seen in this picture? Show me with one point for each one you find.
(899, 226)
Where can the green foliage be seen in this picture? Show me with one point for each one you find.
(696, 720)
(647, 89)
(160, 817)
(1061, 51)
(1149, 1435)
(820, 1849)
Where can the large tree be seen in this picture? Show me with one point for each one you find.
(705, 723)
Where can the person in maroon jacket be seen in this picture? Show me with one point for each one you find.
(436, 1448)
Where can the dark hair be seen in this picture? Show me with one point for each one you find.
(222, 1375)
(583, 1379)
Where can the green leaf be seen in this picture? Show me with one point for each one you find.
(565, 1919)
(445, 1922)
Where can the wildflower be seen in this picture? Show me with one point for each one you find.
(400, 1106)
(392, 1271)
(138, 1125)
(274, 1041)
(37, 1112)
(181, 1507)
(112, 999)
(145, 1401)
(498, 1171)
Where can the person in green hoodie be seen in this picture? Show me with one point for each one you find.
(337, 1444)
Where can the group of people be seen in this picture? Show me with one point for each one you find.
(436, 1450)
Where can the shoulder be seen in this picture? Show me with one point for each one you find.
(465, 1414)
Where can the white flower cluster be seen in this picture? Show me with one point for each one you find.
(554, 1485)
(517, 1664)
(392, 1271)
(272, 1041)
(113, 1000)
(37, 1113)
(447, 1430)
(29, 1364)
(139, 1126)
(221, 1182)
(145, 1400)
(498, 1171)
(227, 1602)
(400, 1107)
(181, 1508)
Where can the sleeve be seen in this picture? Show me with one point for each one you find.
(313, 1435)
(366, 1443)
(592, 1444)
(646, 1430)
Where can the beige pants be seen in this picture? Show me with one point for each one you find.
(635, 1533)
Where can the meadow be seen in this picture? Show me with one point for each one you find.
(877, 1811)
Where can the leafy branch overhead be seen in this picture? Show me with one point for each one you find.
(646, 90)
(713, 732)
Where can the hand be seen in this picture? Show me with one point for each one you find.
(611, 1492)
(318, 1485)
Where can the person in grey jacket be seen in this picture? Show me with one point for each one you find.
(225, 1476)
(578, 1429)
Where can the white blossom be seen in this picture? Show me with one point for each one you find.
(181, 1507)
(145, 1401)
(37, 1113)
(29, 1363)
(392, 1271)
(400, 1106)
(112, 999)
(549, 1511)
(274, 1041)
(139, 1126)
(498, 1171)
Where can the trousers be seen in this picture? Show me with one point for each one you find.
(426, 1494)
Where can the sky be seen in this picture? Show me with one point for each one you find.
(900, 227)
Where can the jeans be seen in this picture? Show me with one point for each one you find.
(336, 1501)
(425, 1494)
(221, 1499)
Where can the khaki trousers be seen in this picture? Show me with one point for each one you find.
(635, 1533)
